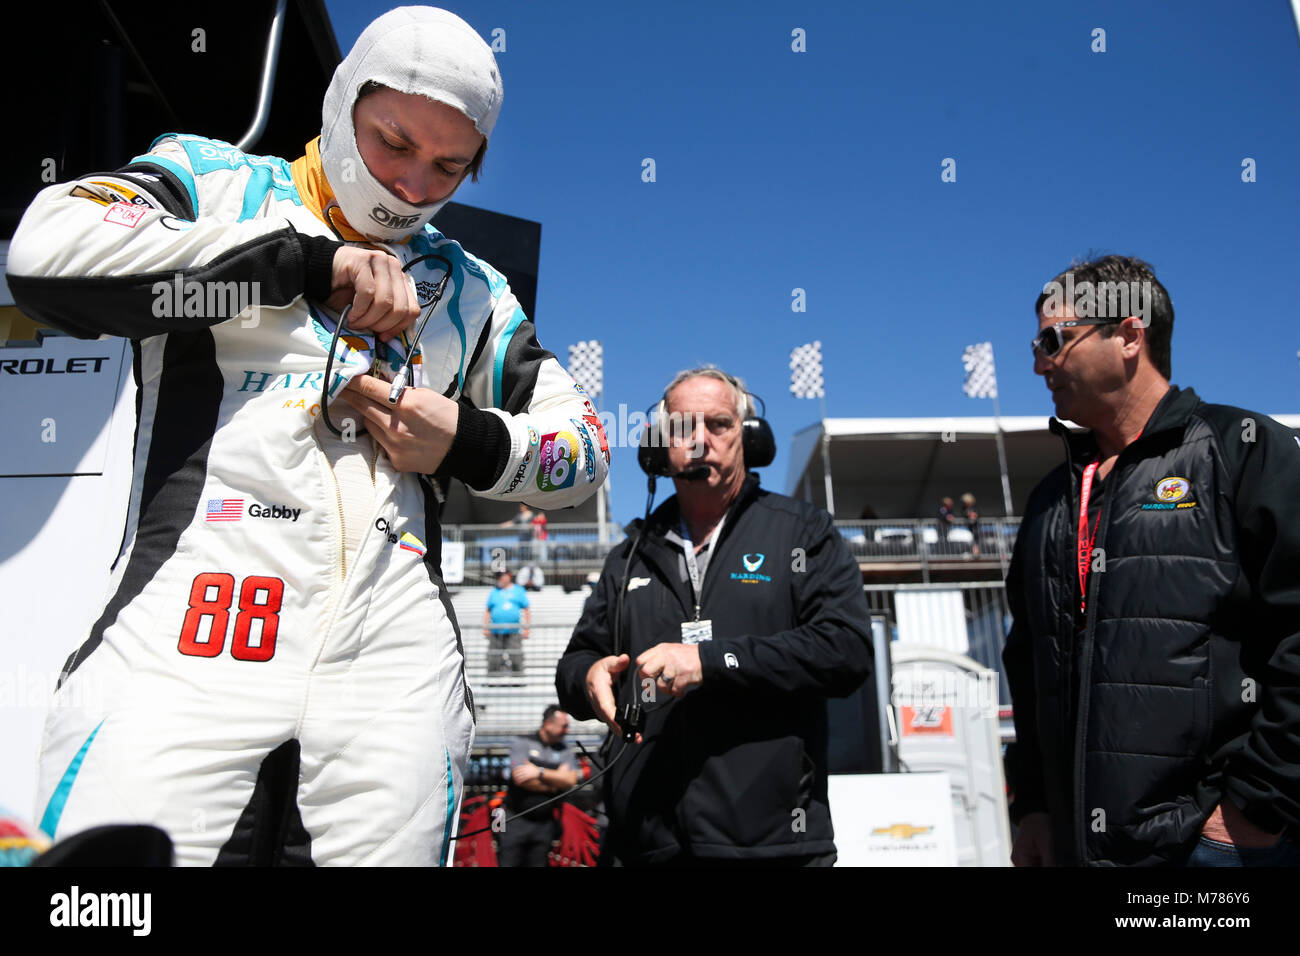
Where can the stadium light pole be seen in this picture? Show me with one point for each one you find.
(587, 367)
(982, 382)
(807, 381)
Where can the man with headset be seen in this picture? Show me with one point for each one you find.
(728, 616)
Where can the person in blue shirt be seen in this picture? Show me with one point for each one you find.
(501, 619)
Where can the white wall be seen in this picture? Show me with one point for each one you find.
(62, 507)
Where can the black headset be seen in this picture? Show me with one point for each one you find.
(757, 442)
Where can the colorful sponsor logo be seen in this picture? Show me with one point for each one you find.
(20, 843)
(106, 193)
(936, 721)
(125, 214)
(355, 343)
(594, 422)
(751, 564)
(901, 831)
(589, 451)
(1172, 489)
(409, 542)
(1170, 494)
(557, 458)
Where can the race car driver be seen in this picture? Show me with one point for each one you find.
(277, 675)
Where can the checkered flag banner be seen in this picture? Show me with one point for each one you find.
(587, 366)
(981, 379)
(806, 371)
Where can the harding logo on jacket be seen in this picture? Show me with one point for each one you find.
(751, 563)
(1170, 493)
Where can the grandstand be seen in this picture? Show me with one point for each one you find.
(510, 704)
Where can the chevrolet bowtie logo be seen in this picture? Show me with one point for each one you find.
(900, 831)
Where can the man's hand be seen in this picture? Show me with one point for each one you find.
(1227, 824)
(675, 667)
(600, 689)
(383, 297)
(526, 773)
(417, 432)
(1034, 842)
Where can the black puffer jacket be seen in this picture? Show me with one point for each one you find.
(1184, 686)
(736, 768)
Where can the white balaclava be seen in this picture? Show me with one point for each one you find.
(420, 50)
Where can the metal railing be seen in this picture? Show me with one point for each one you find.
(568, 548)
(509, 703)
(923, 540)
(988, 618)
(578, 548)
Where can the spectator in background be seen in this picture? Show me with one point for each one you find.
(532, 525)
(541, 765)
(947, 519)
(539, 535)
(501, 620)
(972, 516)
(531, 577)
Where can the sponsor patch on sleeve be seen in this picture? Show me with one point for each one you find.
(125, 214)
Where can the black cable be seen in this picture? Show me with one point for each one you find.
(629, 733)
(410, 353)
(559, 796)
(329, 367)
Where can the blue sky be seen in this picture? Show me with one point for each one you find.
(820, 170)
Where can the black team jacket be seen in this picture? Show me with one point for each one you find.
(736, 769)
(1183, 686)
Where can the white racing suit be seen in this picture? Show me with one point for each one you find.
(251, 687)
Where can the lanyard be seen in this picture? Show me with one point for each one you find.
(692, 566)
(1086, 537)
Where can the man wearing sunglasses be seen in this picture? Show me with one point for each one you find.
(1154, 659)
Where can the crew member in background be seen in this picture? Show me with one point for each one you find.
(541, 765)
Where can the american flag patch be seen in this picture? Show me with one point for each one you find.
(225, 509)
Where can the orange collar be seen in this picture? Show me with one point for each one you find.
(314, 188)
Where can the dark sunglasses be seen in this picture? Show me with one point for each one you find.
(1049, 341)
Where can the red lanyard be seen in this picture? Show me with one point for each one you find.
(1086, 538)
